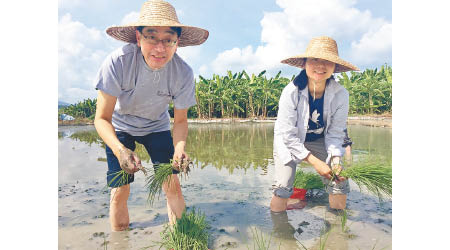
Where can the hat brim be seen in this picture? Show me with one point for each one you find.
(190, 36)
(341, 65)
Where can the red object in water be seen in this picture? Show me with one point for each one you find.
(299, 193)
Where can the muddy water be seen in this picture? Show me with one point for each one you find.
(229, 183)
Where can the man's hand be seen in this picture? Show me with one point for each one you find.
(178, 156)
(129, 161)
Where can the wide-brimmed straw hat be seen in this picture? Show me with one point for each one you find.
(323, 48)
(159, 13)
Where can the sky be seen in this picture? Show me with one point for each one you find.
(244, 35)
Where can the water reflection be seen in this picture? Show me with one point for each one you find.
(244, 146)
(373, 140)
(239, 146)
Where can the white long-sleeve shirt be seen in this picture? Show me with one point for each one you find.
(292, 121)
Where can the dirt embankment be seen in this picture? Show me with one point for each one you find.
(76, 122)
(373, 121)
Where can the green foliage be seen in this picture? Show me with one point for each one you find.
(83, 109)
(188, 233)
(370, 91)
(307, 180)
(240, 95)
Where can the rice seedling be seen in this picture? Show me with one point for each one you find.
(188, 233)
(155, 181)
(343, 216)
(307, 180)
(260, 241)
(163, 173)
(373, 173)
(322, 242)
(105, 243)
(121, 177)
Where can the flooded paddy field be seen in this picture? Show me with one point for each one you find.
(230, 183)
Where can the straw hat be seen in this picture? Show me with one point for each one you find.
(159, 13)
(324, 48)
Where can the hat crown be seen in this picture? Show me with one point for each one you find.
(157, 11)
(322, 45)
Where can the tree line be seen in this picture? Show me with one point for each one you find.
(240, 95)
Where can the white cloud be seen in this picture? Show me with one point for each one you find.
(80, 53)
(373, 46)
(189, 53)
(287, 33)
(130, 18)
(203, 70)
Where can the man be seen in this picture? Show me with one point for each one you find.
(136, 84)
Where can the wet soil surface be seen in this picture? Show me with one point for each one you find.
(235, 204)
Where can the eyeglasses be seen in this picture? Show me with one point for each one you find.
(154, 41)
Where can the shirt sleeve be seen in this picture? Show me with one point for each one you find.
(287, 119)
(338, 123)
(185, 96)
(109, 77)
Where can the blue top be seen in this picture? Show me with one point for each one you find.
(315, 122)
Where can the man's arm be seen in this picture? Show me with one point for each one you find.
(180, 133)
(102, 122)
(105, 107)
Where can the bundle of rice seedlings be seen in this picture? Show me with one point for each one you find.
(121, 177)
(375, 174)
(154, 182)
(163, 173)
(188, 233)
(307, 180)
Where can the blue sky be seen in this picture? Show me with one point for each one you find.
(250, 35)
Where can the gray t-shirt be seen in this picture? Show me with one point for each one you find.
(143, 94)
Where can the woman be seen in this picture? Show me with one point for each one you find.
(310, 125)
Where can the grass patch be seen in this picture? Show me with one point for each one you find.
(188, 233)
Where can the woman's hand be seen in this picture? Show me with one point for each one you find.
(323, 169)
(336, 168)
